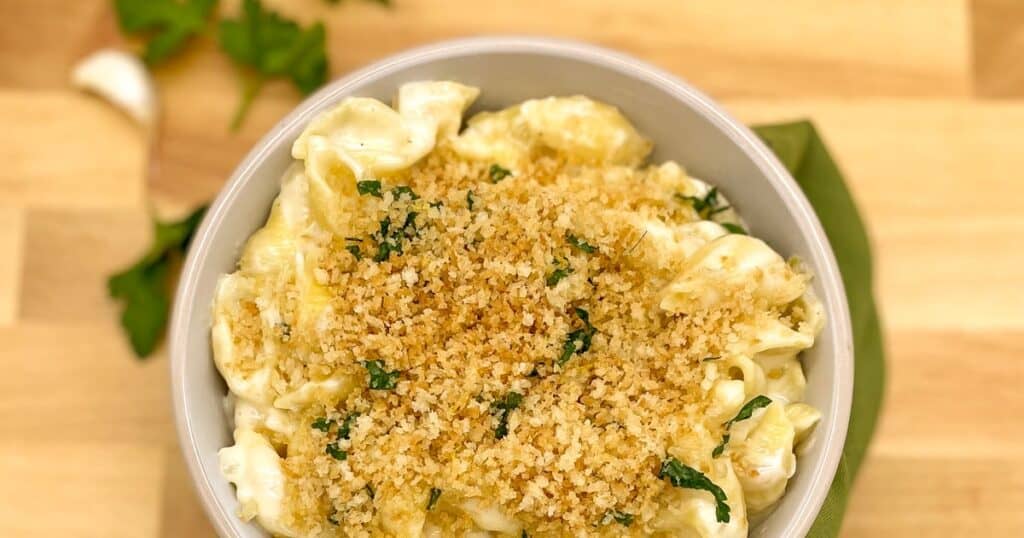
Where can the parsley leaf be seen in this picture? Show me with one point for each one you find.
(336, 452)
(623, 518)
(398, 191)
(498, 173)
(273, 47)
(748, 409)
(381, 379)
(435, 494)
(167, 23)
(681, 475)
(469, 200)
(706, 206)
(561, 270)
(501, 409)
(580, 244)
(371, 187)
(733, 228)
(323, 424)
(145, 286)
(744, 413)
(579, 340)
(354, 250)
(345, 430)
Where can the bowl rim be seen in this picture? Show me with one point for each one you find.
(797, 204)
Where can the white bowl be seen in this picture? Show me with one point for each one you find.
(686, 127)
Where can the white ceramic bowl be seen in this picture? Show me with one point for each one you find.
(685, 125)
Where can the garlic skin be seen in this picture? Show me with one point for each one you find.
(123, 80)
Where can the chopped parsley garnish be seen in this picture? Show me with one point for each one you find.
(398, 191)
(721, 447)
(345, 430)
(271, 46)
(435, 494)
(354, 250)
(748, 409)
(469, 200)
(369, 187)
(561, 270)
(706, 206)
(711, 358)
(580, 244)
(336, 452)
(501, 410)
(370, 492)
(333, 519)
(579, 340)
(499, 173)
(733, 228)
(381, 379)
(389, 239)
(436, 205)
(681, 475)
(323, 424)
(744, 413)
(623, 518)
(168, 24)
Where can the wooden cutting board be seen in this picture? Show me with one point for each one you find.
(921, 100)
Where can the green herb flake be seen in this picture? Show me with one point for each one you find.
(706, 206)
(381, 379)
(398, 191)
(501, 410)
(345, 430)
(711, 358)
(370, 492)
(323, 424)
(145, 287)
(271, 46)
(370, 187)
(498, 173)
(744, 413)
(354, 250)
(336, 452)
(435, 494)
(622, 518)
(733, 228)
(168, 24)
(469, 200)
(721, 447)
(578, 341)
(580, 244)
(681, 475)
(561, 270)
(748, 409)
(333, 519)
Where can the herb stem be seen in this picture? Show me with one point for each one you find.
(252, 88)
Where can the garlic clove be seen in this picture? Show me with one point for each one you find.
(121, 79)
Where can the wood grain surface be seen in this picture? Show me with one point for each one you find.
(922, 102)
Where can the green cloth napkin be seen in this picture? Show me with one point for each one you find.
(803, 153)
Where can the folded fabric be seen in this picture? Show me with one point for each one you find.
(802, 151)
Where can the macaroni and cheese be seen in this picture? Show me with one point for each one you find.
(511, 328)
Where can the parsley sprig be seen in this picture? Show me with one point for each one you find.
(706, 206)
(501, 409)
(145, 287)
(435, 494)
(744, 413)
(578, 341)
(271, 46)
(681, 475)
(167, 24)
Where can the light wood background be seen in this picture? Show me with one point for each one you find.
(921, 100)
